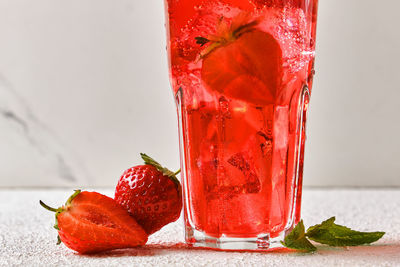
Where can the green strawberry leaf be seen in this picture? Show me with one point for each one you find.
(336, 235)
(172, 175)
(297, 239)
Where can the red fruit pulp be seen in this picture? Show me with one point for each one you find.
(241, 107)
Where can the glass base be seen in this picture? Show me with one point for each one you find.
(263, 242)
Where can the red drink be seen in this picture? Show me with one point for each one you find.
(241, 71)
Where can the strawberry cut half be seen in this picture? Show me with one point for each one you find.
(244, 63)
(90, 222)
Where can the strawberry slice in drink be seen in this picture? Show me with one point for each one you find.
(242, 62)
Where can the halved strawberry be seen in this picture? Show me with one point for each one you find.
(90, 222)
(242, 62)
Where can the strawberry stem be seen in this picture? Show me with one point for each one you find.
(177, 172)
(47, 207)
(60, 210)
(225, 34)
(77, 192)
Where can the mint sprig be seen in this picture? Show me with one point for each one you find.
(336, 235)
(327, 233)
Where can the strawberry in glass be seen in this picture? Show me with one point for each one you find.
(241, 72)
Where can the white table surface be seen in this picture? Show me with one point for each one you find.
(27, 237)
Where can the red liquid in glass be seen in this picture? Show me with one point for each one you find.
(242, 110)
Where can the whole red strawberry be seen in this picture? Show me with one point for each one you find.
(151, 193)
(90, 222)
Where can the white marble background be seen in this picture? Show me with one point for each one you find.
(84, 88)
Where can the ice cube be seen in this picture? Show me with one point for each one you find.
(250, 183)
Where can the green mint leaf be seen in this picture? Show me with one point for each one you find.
(297, 239)
(336, 235)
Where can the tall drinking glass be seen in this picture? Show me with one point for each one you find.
(241, 72)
